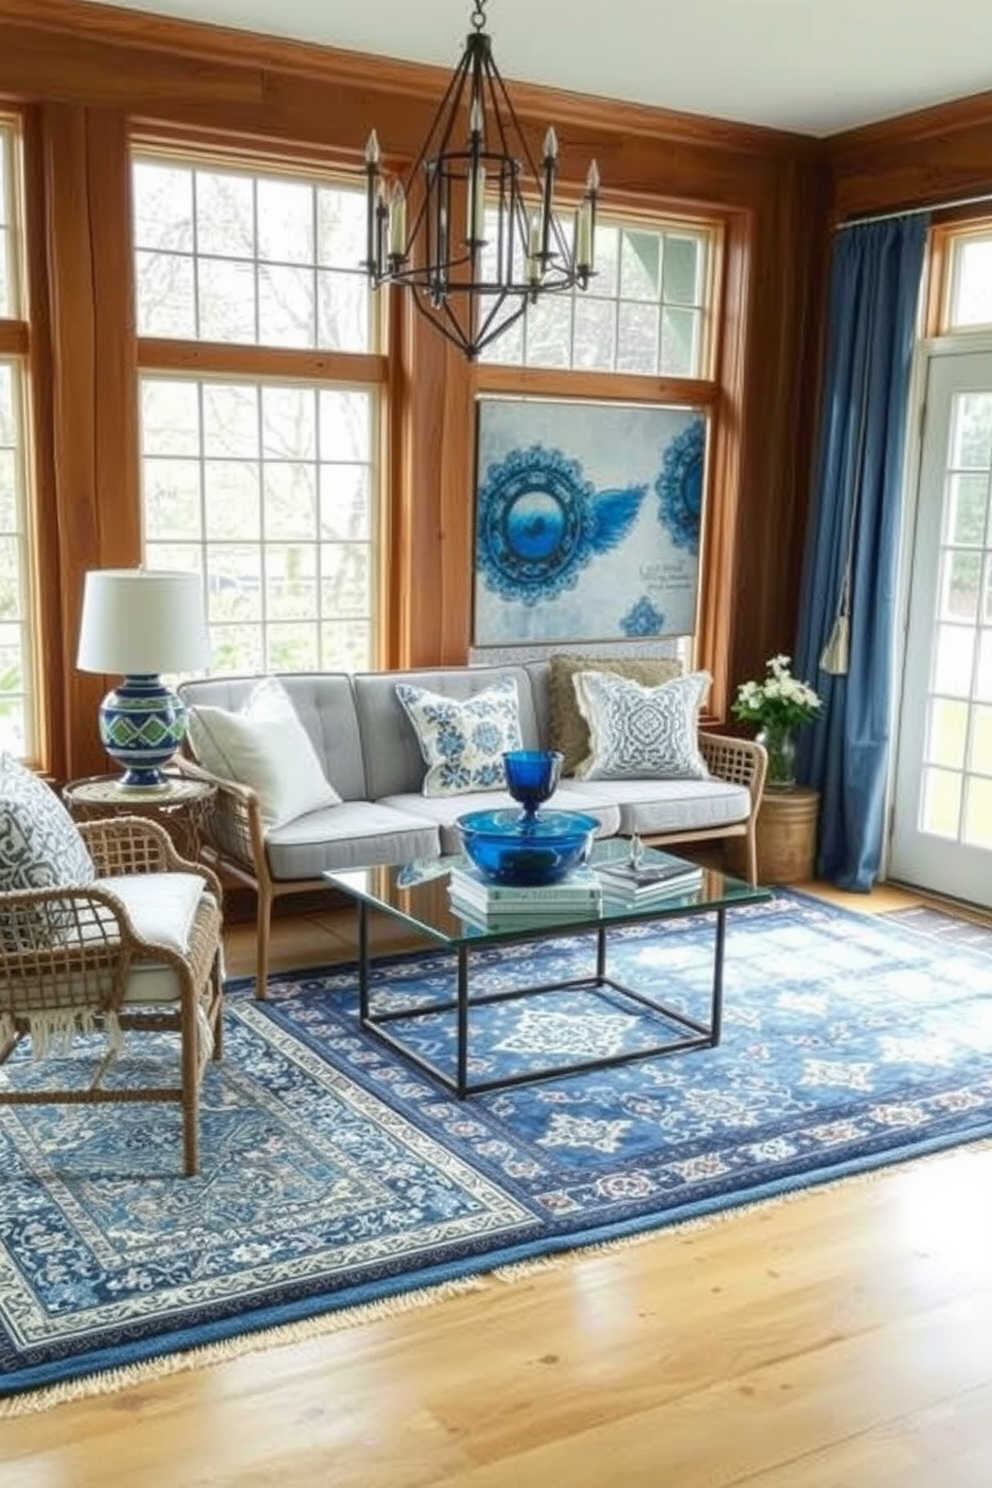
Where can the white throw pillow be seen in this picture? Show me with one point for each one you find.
(463, 743)
(640, 732)
(266, 747)
(40, 848)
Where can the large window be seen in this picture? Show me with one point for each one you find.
(646, 309)
(262, 471)
(18, 723)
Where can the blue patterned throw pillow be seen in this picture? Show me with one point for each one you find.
(640, 732)
(463, 743)
(40, 848)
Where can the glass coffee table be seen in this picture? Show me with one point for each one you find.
(416, 895)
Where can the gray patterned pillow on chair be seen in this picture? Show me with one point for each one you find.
(40, 848)
(640, 732)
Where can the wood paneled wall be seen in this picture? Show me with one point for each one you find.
(930, 158)
(89, 73)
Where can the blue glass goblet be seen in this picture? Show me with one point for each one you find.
(532, 777)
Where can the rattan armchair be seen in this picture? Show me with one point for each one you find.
(91, 970)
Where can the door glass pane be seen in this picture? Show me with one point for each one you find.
(960, 578)
(971, 444)
(953, 660)
(967, 509)
(976, 829)
(941, 803)
(947, 733)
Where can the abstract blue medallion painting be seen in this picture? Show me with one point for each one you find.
(334, 1174)
(587, 521)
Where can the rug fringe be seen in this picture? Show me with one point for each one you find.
(112, 1380)
(521, 1270)
(109, 1381)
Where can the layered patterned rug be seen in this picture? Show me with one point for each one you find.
(336, 1176)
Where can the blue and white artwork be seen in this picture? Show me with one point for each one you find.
(587, 521)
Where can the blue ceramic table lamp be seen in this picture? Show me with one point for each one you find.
(142, 622)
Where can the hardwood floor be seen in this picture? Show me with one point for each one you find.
(841, 1339)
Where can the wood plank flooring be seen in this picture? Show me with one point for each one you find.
(841, 1339)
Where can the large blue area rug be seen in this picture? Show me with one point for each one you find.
(335, 1174)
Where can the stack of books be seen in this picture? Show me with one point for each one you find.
(504, 906)
(647, 877)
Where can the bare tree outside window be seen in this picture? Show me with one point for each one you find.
(266, 486)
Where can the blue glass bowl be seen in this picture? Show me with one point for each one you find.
(509, 850)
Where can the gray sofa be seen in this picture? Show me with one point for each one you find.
(370, 752)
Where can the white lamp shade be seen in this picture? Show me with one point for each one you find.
(139, 621)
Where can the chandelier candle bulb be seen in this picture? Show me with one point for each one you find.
(477, 205)
(583, 237)
(397, 223)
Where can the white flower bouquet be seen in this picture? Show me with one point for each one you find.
(778, 705)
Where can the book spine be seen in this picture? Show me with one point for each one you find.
(484, 906)
(506, 894)
(643, 885)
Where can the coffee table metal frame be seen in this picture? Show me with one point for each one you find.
(424, 907)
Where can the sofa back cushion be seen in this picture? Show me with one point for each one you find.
(325, 705)
(265, 746)
(394, 764)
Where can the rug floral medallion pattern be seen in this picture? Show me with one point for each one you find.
(334, 1173)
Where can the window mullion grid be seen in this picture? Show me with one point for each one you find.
(263, 555)
(318, 524)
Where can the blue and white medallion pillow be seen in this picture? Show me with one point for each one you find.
(463, 742)
(40, 848)
(640, 732)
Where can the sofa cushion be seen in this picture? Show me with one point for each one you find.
(162, 908)
(266, 747)
(40, 848)
(568, 729)
(637, 731)
(356, 834)
(463, 741)
(671, 807)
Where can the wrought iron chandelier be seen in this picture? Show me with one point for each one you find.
(473, 235)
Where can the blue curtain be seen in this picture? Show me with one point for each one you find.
(875, 275)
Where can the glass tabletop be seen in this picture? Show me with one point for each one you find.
(417, 893)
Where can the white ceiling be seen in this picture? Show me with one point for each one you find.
(814, 66)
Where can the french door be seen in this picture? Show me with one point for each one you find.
(942, 800)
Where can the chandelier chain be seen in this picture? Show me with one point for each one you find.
(479, 15)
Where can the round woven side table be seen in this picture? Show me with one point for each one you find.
(180, 806)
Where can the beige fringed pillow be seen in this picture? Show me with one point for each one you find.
(569, 730)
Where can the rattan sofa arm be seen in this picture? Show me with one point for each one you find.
(739, 761)
(233, 832)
